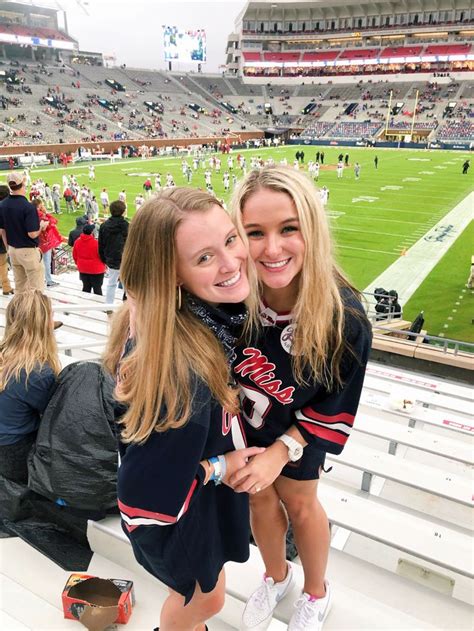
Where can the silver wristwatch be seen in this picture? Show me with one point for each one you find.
(295, 450)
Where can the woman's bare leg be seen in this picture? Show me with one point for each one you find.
(175, 616)
(310, 529)
(269, 525)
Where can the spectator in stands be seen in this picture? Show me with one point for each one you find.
(77, 231)
(29, 365)
(20, 229)
(179, 329)
(4, 280)
(316, 340)
(49, 238)
(112, 237)
(86, 256)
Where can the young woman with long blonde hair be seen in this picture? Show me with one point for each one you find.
(300, 376)
(29, 365)
(184, 269)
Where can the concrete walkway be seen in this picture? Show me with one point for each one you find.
(410, 270)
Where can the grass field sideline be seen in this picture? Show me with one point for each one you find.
(448, 304)
(374, 219)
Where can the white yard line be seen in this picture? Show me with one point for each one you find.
(408, 272)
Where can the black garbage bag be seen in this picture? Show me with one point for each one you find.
(74, 461)
(14, 499)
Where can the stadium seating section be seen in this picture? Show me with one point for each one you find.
(40, 32)
(351, 110)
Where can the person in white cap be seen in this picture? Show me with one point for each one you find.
(20, 228)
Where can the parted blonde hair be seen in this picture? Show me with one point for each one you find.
(155, 380)
(318, 343)
(28, 343)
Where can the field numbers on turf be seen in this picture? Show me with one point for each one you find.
(391, 188)
(364, 198)
(439, 166)
(411, 179)
(334, 214)
(426, 172)
(420, 159)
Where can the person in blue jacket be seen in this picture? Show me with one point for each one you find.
(29, 365)
(300, 376)
(184, 269)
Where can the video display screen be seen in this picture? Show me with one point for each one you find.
(186, 45)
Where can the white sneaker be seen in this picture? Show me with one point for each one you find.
(310, 614)
(259, 609)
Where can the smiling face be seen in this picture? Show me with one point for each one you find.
(211, 258)
(276, 244)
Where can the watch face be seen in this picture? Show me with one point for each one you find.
(297, 452)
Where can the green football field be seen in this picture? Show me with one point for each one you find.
(374, 219)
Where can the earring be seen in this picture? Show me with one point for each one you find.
(178, 297)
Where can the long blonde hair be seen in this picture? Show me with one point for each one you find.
(318, 342)
(155, 380)
(28, 343)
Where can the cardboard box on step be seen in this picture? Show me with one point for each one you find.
(97, 602)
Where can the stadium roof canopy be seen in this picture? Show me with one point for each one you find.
(28, 7)
(324, 9)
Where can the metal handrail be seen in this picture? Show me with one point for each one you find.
(439, 341)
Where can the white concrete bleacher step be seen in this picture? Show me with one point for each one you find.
(31, 600)
(395, 434)
(30, 610)
(108, 541)
(34, 585)
(404, 471)
(354, 606)
(150, 595)
(7, 623)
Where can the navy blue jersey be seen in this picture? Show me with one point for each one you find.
(272, 400)
(182, 531)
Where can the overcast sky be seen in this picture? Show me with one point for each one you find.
(131, 29)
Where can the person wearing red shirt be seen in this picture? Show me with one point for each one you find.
(49, 238)
(86, 256)
(69, 199)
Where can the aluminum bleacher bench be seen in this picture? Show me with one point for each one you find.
(422, 382)
(418, 414)
(376, 519)
(403, 471)
(429, 398)
(396, 434)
